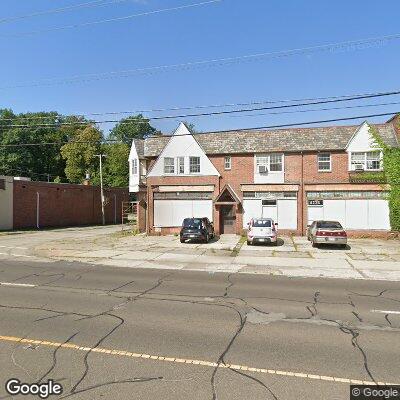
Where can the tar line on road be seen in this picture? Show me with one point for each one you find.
(124, 353)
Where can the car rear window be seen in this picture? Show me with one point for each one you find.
(262, 223)
(192, 223)
(329, 225)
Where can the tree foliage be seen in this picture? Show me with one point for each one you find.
(80, 154)
(391, 166)
(133, 127)
(116, 168)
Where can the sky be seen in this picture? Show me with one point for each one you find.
(37, 60)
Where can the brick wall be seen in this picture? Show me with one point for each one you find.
(64, 204)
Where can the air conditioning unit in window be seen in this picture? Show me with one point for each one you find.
(262, 169)
(358, 167)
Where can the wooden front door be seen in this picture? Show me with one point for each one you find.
(228, 219)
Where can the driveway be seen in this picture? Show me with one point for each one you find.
(294, 256)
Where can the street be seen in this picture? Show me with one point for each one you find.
(117, 333)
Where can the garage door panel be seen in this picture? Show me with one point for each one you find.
(378, 214)
(202, 208)
(287, 214)
(251, 209)
(356, 214)
(315, 213)
(335, 210)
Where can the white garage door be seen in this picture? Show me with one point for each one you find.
(284, 212)
(353, 214)
(171, 213)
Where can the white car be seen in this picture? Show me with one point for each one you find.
(262, 230)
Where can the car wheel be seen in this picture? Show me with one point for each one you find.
(182, 240)
(207, 239)
(248, 243)
(276, 243)
(314, 244)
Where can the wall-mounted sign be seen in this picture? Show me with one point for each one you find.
(315, 202)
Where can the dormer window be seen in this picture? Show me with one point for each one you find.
(169, 165)
(365, 160)
(134, 166)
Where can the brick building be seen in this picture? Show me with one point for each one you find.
(292, 175)
(26, 204)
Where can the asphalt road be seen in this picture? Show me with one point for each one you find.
(121, 333)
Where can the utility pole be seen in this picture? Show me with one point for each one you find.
(101, 187)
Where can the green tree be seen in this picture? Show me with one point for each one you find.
(133, 127)
(116, 168)
(80, 154)
(39, 162)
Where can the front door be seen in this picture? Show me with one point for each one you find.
(228, 219)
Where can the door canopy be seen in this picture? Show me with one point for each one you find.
(227, 197)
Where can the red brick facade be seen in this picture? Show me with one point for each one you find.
(300, 170)
(64, 204)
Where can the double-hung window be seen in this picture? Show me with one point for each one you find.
(169, 165)
(228, 162)
(134, 166)
(194, 165)
(275, 162)
(181, 165)
(324, 162)
(269, 162)
(367, 160)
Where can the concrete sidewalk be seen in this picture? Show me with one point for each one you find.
(294, 256)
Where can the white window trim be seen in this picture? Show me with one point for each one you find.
(195, 173)
(227, 160)
(350, 166)
(268, 155)
(330, 163)
(173, 165)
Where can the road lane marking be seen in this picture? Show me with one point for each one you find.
(16, 284)
(386, 312)
(124, 353)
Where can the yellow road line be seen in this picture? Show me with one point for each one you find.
(125, 353)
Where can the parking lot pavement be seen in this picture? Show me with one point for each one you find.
(293, 256)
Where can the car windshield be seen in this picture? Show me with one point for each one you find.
(192, 223)
(329, 225)
(262, 223)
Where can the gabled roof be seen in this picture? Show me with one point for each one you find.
(139, 145)
(286, 140)
(227, 193)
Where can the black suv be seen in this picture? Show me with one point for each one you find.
(197, 229)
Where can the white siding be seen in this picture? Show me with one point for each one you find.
(171, 213)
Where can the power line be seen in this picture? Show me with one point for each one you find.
(225, 131)
(344, 97)
(97, 3)
(213, 113)
(348, 45)
(143, 14)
